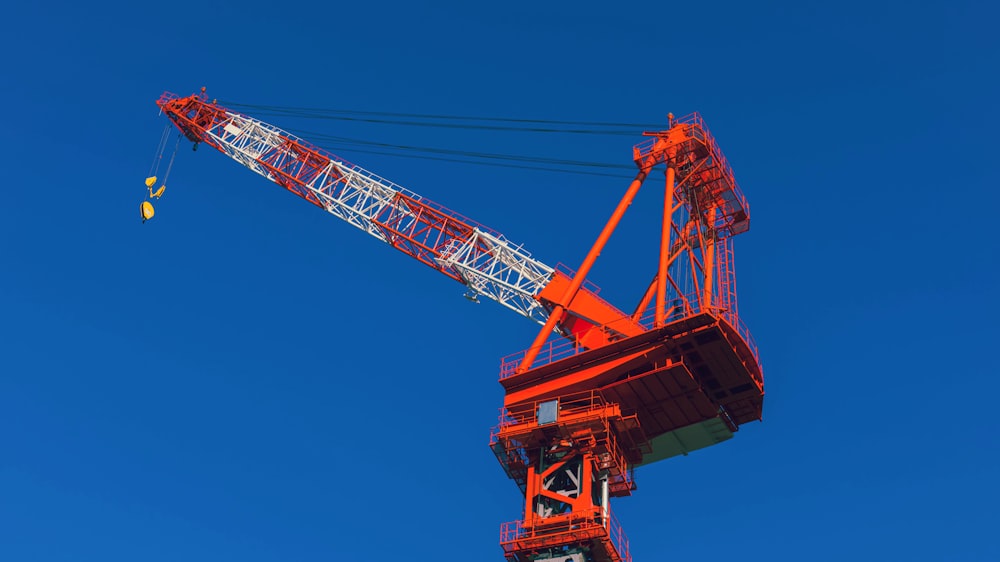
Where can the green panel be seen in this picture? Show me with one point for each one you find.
(686, 439)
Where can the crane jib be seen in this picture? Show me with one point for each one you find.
(482, 259)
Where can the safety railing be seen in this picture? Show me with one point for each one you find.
(571, 273)
(507, 438)
(513, 460)
(553, 350)
(624, 479)
(557, 348)
(567, 530)
(588, 407)
(699, 132)
(741, 328)
(571, 404)
(618, 538)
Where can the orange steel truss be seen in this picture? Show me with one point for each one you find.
(601, 391)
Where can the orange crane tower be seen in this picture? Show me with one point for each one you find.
(600, 391)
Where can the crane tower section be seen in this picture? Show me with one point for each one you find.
(483, 260)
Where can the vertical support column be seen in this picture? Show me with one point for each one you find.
(531, 490)
(661, 275)
(710, 259)
(581, 274)
(605, 497)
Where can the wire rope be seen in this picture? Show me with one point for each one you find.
(463, 153)
(172, 156)
(487, 123)
(493, 164)
(346, 114)
(158, 157)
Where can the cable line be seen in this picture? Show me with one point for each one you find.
(483, 155)
(453, 122)
(382, 118)
(494, 164)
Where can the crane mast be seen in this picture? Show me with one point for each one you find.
(599, 391)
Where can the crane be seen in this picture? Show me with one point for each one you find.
(600, 390)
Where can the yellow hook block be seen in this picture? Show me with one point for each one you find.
(146, 210)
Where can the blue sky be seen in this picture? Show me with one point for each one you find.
(245, 378)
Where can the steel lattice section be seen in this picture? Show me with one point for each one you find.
(481, 259)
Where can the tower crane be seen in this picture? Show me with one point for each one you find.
(600, 390)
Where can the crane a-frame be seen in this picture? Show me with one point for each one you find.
(600, 391)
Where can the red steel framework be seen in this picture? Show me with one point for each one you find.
(600, 391)
(679, 373)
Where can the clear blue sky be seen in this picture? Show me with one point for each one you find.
(245, 378)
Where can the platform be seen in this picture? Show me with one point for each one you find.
(691, 383)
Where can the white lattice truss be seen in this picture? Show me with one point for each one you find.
(487, 263)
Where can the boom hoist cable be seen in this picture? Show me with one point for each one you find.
(515, 125)
(450, 121)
